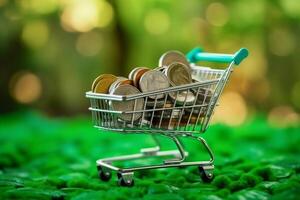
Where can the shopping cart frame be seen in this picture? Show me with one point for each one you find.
(101, 111)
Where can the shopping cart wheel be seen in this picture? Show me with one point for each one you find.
(206, 173)
(104, 174)
(125, 179)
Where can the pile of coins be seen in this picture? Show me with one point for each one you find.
(173, 70)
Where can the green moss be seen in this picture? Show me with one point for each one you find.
(55, 159)
(165, 196)
(237, 185)
(32, 193)
(281, 172)
(6, 181)
(264, 172)
(223, 193)
(94, 195)
(159, 189)
(87, 183)
(290, 193)
(246, 167)
(222, 181)
(249, 195)
(250, 180)
(266, 186)
(285, 186)
(272, 172)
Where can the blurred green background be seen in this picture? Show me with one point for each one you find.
(52, 50)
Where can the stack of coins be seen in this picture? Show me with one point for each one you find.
(159, 108)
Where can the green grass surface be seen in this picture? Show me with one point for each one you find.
(44, 158)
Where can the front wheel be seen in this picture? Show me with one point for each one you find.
(206, 174)
(104, 174)
(124, 180)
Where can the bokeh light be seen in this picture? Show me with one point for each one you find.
(89, 44)
(25, 87)
(197, 29)
(283, 116)
(157, 21)
(282, 42)
(40, 7)
(217, 14)
(256, 65)
(83, 16)
(233, 110)
(296, 94)
(35, 34)
(58, 38)
(291, 7)
(247, 14)
(262, 90)
(3, 2)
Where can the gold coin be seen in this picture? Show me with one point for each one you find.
(137, 76)
(131, 74)
(95, 82)
(103, 82)
(126, 82)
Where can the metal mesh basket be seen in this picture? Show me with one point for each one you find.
(180, 114)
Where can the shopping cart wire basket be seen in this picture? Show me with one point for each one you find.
(181, 118)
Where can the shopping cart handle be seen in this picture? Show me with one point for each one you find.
(197, 54)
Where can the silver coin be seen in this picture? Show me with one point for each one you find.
(178, 74)
(145, 122)
(196, 111)
(175, 113)
(172, 56)
(158, 104)
(162, 68)
(185, 97)
(154, 80)
(127, 105)
(204, 95)
(114, 84)
(166, 114)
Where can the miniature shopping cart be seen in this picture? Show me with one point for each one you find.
(174, 121)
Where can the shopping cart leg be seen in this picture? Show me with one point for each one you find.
(152, 151)
(206, 169)
(125, 175)
(179, 146)
(202, 140)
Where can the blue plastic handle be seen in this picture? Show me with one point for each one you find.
(197, 54)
